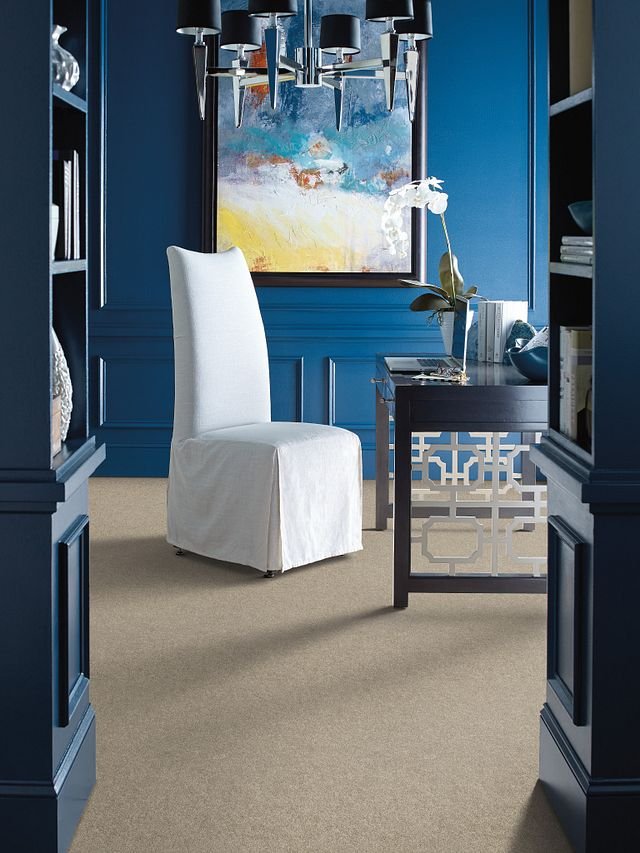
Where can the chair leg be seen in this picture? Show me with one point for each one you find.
(270, 574)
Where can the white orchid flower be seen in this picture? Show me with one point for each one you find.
(426, 193)
(438, 203)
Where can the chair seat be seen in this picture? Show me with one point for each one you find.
(268, 495)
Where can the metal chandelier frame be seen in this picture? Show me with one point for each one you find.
(308, 70)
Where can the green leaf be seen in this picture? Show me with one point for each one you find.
(430, 302)
(440, 291)
(455, 287)
(433, 288)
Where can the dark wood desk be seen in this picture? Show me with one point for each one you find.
(496, 399)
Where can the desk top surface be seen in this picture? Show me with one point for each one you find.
(484, 374)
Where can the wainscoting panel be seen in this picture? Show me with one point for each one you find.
(287, 388)
(134, 392)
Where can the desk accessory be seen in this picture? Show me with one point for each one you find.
(64, 66)
(531, 361)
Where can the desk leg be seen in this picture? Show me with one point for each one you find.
(402, 505)
(528, 473)
(382, 462)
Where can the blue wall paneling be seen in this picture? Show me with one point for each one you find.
(487, 82)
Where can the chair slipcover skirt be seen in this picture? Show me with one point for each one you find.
(268, 495)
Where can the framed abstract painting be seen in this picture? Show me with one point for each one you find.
(303, 200)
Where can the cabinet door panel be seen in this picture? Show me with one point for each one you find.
(73, 618)
(566, 613)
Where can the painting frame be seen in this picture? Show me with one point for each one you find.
(417, 261)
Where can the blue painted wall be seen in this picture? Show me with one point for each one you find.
(322, 341)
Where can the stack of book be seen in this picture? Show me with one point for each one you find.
(577, 250)
(576, 370)
(495, 319)
(66, 194)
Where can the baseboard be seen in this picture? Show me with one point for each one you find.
(75, 779)
(598, 815)
(42, 817)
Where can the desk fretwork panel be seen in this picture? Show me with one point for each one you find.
(476, 494)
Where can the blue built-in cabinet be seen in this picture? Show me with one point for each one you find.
(487, 88)
(48, 742)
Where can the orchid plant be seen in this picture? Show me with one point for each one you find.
(425, 194)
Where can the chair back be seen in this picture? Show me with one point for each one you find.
(221, 362)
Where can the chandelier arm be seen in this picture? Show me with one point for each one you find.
(364, 74)
(289, 64)
(252, 71)
(231, 72)
(263, 80)
(355, 65)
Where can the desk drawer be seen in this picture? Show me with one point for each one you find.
(481, 410)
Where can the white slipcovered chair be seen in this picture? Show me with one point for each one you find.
(243, 488)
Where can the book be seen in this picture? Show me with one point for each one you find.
(491, 315)
(576, 370)
(506, 314)
(66, 194)
(576, 250)
(75, 189)
(578, 241)
(482, 331)
(586, 260)
(497, 330)
(580, 45)
(62, 197)
(495, 320)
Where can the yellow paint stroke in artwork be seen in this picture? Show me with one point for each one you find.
(270, 246)
(302, 231)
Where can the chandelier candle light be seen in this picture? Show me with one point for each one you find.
(406, 20)
(425, 194)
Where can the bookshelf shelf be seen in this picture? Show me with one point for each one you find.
(62, 267)
(68, 100)
(570, 447)
(571, 102)
(573, 270)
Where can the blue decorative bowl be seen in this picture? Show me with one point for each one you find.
(582, 213)
(533, 363)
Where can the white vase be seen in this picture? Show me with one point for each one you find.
(64, 66)
(446, 329)
(61, 385)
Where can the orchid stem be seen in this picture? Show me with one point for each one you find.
(446, 237)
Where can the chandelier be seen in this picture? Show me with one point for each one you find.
(405, 21)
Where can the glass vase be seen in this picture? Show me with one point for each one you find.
(64, 66)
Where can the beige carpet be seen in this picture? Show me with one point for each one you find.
(304, 714)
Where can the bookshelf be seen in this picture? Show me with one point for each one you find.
(590, 722)
(47, 764)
